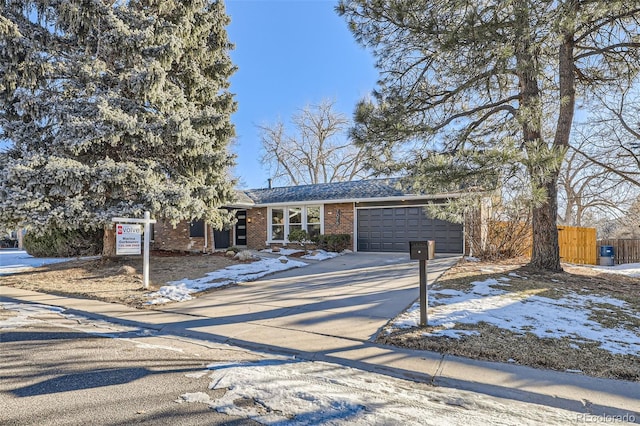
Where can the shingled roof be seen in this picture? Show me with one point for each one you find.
(352, 191)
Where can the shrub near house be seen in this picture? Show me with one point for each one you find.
(334, 242)
(300, 236)
(60, 243)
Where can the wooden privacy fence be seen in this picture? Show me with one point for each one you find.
(624, 250)
(578, 245)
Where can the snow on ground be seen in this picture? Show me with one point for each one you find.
(628, 269)
(25, 313)
(283, 251)
(294, 392)
(181, 290)
(29, 314)
(521, 312)
(313, 254)
(15, 261)
(321, 255)
(281, 390)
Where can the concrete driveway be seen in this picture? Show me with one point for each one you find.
(351, 296)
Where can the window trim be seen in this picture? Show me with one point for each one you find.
(285, 209)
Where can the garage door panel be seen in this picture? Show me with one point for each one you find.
(391, 229)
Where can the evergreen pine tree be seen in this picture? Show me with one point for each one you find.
(113, 108)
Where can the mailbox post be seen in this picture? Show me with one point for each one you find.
(422, 251)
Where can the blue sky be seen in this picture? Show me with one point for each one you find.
(290, 53)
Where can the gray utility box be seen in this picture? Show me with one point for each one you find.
(422, 250)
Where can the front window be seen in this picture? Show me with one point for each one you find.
(196, 229)
(277, 224)
(313, 221)
(295, 218)
(285, 220)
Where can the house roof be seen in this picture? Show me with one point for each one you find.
(352, 191)
(242, 200)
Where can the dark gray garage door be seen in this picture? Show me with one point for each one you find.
(391, 229)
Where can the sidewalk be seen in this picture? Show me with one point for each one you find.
(312, 323)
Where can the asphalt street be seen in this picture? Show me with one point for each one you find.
(62, 369)
(52, 374)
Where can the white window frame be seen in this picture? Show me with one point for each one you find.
(285, 209)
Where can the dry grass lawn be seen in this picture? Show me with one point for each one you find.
(116, 280)
(564, 354)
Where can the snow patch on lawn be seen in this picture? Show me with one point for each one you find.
(312, 255)
(628, 269)
(283, 251)
(16, 261)
(292, 392)
(321, 255)
(520, 312)
(181, 290)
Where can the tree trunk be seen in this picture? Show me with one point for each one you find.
(546, 250)
(109, 241)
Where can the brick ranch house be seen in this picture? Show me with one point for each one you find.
(378, 215)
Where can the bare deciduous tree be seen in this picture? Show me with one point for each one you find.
(316, 149)
(587, 190)
(626, 226)
(614, 129)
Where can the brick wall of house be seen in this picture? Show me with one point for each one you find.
(256, 228)
(167, 237)
(338, 218)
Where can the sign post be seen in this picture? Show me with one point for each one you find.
(422, 251)
(424, 293)
(128, 240)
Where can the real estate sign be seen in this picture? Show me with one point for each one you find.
(128, 237)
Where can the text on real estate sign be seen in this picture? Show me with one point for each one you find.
(128, 239)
